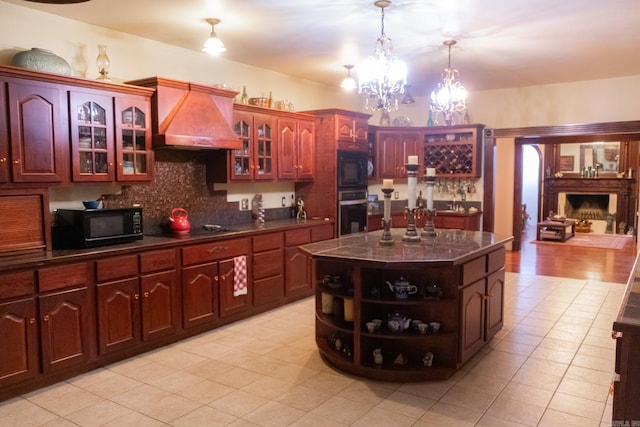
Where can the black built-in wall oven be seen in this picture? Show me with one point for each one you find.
(352, 192)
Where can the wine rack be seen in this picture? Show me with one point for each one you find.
(453, 153)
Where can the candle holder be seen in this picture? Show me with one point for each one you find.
(411, 235)
(429, 229)
(387, 238)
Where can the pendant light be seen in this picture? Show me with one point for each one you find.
(348, 83)
(213, 45)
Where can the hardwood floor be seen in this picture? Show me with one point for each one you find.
(607, 265)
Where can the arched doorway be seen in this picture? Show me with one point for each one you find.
(531, 176)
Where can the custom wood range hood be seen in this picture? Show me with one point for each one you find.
(190, 115)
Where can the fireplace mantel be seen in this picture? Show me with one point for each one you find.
(589, 185)
(623, 187)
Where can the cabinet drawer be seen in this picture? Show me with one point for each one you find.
(495, 260)
(267, 242)
(17, 284)
(198, 254)
(157, 260)
(473, 270)
(267, 264)
(322, 232)
(297, 237)
(116, 268)
(62, 276)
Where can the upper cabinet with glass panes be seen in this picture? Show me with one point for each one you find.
(110, 136)
(133, 139)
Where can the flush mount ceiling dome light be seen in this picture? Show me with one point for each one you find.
(348, 83)
(382, 77)
(450, 97)
(213, 45)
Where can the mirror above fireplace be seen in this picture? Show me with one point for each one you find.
(605, 156)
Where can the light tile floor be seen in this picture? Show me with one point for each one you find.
(551, 365)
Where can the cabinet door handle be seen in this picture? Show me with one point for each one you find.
(3, 160)
(32, 320)
(136, 296)
(217, 249)
(16, 162)
(216, 278)
(46, 318)
(146, 294)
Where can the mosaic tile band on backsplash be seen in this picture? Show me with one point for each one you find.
(180, 181)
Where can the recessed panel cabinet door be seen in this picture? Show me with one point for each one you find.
(118, 315)
(4, 135)
(287, 149)
(18, 341)
(65, 323)
(297, 271)
(199, 294)
(159, 304)
(306, 154)
(230, 303)
(495, 309)
(39, 132)
(472, 319)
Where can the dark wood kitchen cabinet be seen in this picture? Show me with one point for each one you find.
(297, 263)
(134, 153)
(66, 313)
(295, 149)
(256, 160)
(349, 129)
(137, 299)
(208, 280)
(481, 302)
(19, 359)
(92, 136)
(38, 131)
(393, 147)
(268, 268)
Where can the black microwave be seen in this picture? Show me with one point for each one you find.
(87, 228)
(352, 170)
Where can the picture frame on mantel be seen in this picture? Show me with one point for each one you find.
(566, 163)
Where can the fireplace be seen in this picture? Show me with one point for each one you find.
(592, 200)
(593, 207)
(587, 206)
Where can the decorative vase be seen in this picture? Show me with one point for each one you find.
(103, 63)
(39, 59)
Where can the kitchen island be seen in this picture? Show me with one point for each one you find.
(367, 326)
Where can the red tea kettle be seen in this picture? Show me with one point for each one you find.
(178, 222)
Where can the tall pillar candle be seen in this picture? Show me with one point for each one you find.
(412, 181)
(431, 174)
(387, 184)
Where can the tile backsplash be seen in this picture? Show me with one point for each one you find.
(180, 181)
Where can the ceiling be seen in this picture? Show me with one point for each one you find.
(501, 43)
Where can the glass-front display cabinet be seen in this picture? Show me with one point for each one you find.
(92, 139)
(256, 159)
(133, 141)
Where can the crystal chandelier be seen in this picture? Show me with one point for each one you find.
(449, 98)
(382, 77)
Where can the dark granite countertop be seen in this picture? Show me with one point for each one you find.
(197, 235)
(448, 247)
(628, 319)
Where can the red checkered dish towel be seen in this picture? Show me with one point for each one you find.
(239, 275)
